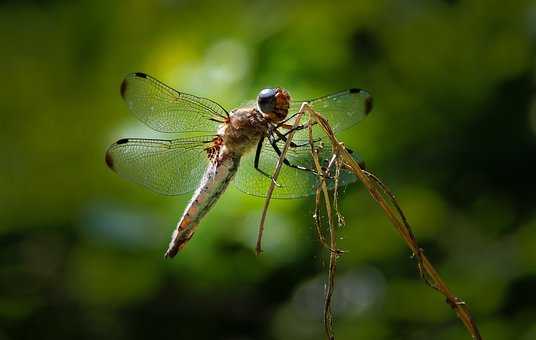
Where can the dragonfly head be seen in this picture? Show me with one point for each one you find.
(273, 103)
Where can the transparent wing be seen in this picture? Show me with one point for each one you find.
(342, 109)
(169, 167)
(167, 110)
(295, 183)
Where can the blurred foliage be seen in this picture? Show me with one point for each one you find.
(453, 133)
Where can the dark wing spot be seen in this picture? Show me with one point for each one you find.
(354, 90)
(124, 84)
(123, 88)
(368, 104)
(109, 160)
(122, 141)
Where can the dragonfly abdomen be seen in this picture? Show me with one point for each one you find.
(214, 182)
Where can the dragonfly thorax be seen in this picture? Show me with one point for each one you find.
(243, 130)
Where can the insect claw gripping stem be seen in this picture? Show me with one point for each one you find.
(273, 142)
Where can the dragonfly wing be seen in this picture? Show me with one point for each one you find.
(342, 109)
(169, 167)
(295, 183)
(167, 110)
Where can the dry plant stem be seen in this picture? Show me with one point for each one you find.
(340, 219)
(277, 170)
(318, 222)
(328, 315)
(395, 215)
(385, 190)
(316, 216)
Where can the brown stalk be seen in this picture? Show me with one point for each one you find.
(277, 170)
(394, 213)
(318, 222)
(328, 315)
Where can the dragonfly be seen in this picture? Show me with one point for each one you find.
(215, 146)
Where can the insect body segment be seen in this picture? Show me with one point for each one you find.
(215, 180)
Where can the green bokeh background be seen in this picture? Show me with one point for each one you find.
(453, 133)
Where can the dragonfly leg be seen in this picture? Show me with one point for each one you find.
(273, 142)
(291, 128)
(283, 137)
(288, 118)
(258, 158)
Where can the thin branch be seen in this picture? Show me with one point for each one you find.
(318, 222)
(328, 315)
(273, 184)
(394, 213)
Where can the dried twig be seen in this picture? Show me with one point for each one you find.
(328, 315)
(277, 170)
(379, 192)
(318, 222)
(395, 214)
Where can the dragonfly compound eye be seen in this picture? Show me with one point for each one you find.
(267, 100)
